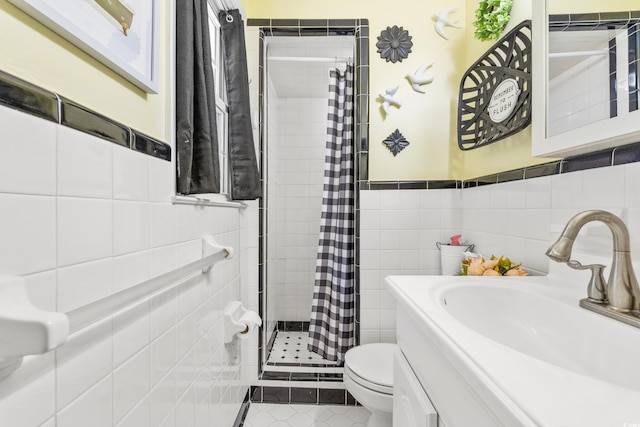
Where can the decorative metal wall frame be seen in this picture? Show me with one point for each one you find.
(508, 59)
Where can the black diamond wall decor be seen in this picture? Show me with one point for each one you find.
(395, 142)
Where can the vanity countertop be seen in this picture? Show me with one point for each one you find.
(522, 350)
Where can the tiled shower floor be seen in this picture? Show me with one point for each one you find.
(291, 348)
(265, 414)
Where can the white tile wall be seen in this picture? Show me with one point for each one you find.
(519, 219)
(275, 274)
(83, 283)
(82, 218)
(38, 175)
(85, 229)
(28, 230)
(589, 79)
(543, 207)
(92, 161)
(296, 171)
(398, 235)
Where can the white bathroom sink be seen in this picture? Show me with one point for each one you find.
(548, 329)
(519, 350)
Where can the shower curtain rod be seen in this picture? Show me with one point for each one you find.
(308, 59)
(579, 53)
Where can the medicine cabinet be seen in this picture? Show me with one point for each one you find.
(585, 75)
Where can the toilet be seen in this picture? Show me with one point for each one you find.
(368, 376)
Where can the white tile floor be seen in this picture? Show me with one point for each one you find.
(291, 347)
(281, 415)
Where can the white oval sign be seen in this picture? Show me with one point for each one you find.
(504, 100)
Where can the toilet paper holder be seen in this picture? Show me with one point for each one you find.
(239, 321)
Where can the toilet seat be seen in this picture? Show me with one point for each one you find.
(371, 366)
(362, 382)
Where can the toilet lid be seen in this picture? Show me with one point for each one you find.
(372, 363)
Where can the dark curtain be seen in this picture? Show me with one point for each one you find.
(332, 325)
(197, 161)
(243, 168)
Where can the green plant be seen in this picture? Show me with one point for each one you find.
(491, 17)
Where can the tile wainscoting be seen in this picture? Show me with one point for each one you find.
(82, 218)
(518, 218)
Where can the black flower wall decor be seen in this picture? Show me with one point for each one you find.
(394, 44)
(396, 142)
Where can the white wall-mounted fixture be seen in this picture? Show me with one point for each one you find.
(25, 329)
(96, 311)
(442, 20)
(388, 99)
(418, 78)
(211, 247)
(239, 321)
(573, 117)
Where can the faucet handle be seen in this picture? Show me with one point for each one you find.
(596, 290)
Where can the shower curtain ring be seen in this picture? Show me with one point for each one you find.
(229, 17)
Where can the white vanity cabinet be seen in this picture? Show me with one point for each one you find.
(438, 374)
(411, 405)
(510, 352)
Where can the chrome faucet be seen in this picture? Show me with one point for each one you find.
(619, 297)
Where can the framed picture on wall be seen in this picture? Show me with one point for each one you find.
(122, 34)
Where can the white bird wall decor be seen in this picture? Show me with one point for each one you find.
(419, 78)
(442, 20)
(388, 99)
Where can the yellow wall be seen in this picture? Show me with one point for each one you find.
(426, 120)
(32, 52)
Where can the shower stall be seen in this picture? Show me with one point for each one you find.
(295, 97)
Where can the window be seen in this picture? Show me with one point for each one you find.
(222, 108)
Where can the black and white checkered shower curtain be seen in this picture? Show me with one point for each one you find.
(332, 326)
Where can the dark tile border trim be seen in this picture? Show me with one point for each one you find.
(634, 57)
(410, 185)
(598, 159)
(150, 146)
(302, 395)
(244, 410)
(293, 326)
(359, 28)
(622, 155)
(272, 340)
(23, 96)
(80, 118)
(591, 21)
